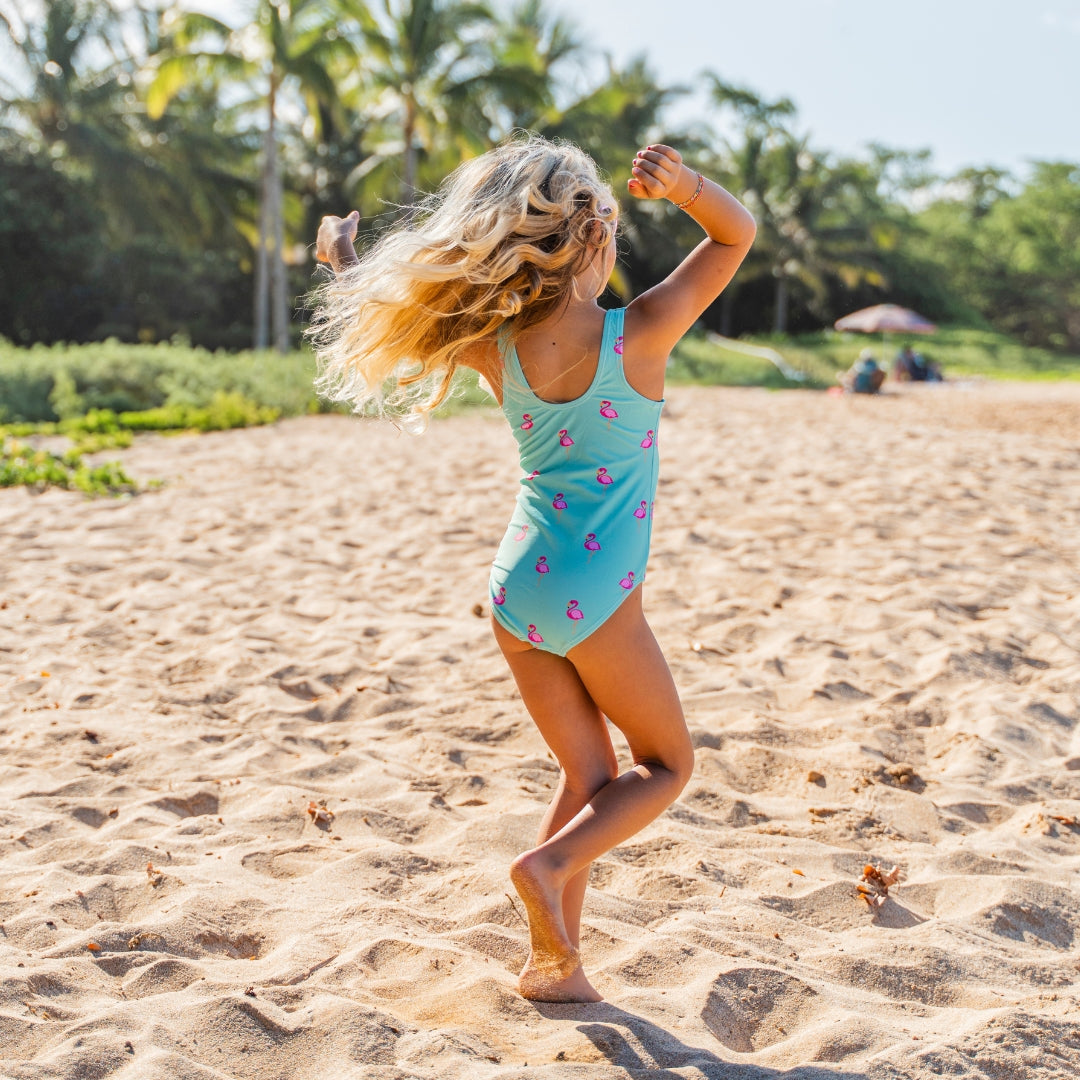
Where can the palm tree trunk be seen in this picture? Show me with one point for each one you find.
(271, 285)
(279, 294)
(261, 334)
(780, 316)
(408, 180)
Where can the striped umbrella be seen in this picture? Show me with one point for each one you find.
(885, 319)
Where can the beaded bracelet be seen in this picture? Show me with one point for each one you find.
(693, 198)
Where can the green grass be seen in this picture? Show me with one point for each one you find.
(699, 361)
(28, 466)
(821, 356)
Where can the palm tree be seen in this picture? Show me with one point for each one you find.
(288, 50)
(815, 216)
(73, 91)
(428, 66)
(528, 53)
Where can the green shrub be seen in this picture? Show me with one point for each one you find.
(21, 464)
(45, 384)
(225, 411)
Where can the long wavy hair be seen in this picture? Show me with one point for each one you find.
(493, 252)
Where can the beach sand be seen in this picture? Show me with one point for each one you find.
(871, 608)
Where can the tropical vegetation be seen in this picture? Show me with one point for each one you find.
(163, 171)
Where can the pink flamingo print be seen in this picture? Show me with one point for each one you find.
(559, 504)
(603, 478)
(532, 476)
(521, 535)
(608, 413)
(640, 513)
(647, 442)
(542, 565)
(500, 598)
(619, 344)
(591, 545)
(565, 442)
(526, 422)
(533, 635)
(573, 612)
(628, 581)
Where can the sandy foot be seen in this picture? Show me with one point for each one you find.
(553, 971)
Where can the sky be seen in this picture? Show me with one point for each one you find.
(978, 82)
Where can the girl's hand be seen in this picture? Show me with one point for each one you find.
(335, 239)
(658, 172)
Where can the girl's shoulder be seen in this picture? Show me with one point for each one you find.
(486, 358)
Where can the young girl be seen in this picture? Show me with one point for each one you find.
(500, 271)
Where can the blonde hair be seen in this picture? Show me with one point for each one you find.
(494, 251)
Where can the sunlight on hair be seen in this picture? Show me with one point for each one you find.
(494, 251)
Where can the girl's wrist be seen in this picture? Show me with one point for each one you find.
(685, 188)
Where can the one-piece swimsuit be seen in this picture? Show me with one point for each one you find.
(578, 541)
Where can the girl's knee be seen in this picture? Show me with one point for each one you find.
(682, 767)
(678, 763)
(587, 778)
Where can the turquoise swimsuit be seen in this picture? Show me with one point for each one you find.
(578, 542)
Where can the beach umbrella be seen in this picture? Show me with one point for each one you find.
(885, 319)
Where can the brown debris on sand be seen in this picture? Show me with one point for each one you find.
(874, 887)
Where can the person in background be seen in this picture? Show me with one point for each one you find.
(865, 375)
(910, 366)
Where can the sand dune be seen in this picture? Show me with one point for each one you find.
(872, 609)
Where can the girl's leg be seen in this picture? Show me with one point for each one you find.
(624, 672)
(574, 728)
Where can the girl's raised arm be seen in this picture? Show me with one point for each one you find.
(658, 318)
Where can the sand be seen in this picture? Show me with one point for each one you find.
(872, 610)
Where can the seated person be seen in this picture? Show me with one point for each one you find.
(865, 376)
(910, 366)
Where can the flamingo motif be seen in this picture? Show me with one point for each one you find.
(619, 345)
(533, 635)
(532, 476)
(559, 504)
(500, 598)
(628, 581)
(542, 565)
(647, 441)
(591, 545)
(565, 442)
(640, 513)
(526, 422)
(603, 478)
(608, 413)
(521, 535)
(573, 612)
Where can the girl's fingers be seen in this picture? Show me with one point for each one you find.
(650, 184)
(660, 165)
(653, 171)
(667, 153)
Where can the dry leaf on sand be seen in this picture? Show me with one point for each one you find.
(874, 887)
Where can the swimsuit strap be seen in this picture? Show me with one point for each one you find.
(609, 371)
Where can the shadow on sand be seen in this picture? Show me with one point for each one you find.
(644, 1050)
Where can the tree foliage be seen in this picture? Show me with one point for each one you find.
(161, 169)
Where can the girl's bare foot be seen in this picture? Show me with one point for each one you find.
(553, 971)
(543, 980)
